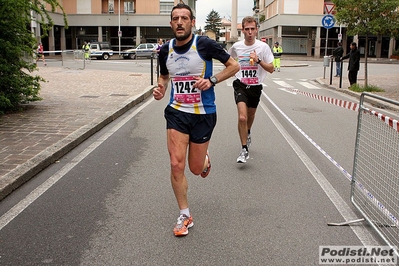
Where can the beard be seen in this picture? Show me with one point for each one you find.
(183, 37)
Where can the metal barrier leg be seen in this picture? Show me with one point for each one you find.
(347, 223)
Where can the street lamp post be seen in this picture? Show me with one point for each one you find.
(119, 26)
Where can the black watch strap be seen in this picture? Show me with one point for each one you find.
(213, 80)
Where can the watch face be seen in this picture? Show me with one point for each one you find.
(213, 79)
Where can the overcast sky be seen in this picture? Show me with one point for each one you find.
(223, 7)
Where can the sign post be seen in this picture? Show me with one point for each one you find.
(327, 22)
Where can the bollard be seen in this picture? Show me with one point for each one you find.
(332, 68)
(340, 74)
(152, 69)
(158, 67)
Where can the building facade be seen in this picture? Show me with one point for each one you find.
(297, 26)
(123, 23)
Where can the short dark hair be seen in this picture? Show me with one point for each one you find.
(354, 44)
(249, 19)
(182, 5)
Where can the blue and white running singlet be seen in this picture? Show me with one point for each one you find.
(182, 70)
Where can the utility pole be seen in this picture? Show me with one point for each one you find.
(233, 32)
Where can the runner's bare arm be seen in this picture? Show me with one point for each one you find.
(159, 92)
(232, 67)
(266, 66)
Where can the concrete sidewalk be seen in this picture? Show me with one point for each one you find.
(78, 103)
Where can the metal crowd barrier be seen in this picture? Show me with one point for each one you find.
(375, 178)
(73, 59)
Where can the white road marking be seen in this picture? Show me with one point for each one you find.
(348, 215)
(36, 193)
(289, 91)
(308, 85)
(283, 84)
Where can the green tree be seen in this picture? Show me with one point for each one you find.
(368, 17)
(213, 22)
(17, 46)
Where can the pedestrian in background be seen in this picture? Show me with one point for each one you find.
(337, 54)
(159, 46)
(277, 52)
(40, 54)
(354, 63)
(86, 49)
(255, 58)
(186, 64)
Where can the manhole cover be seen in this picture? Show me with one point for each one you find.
(307, 110)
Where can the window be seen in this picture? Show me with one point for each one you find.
(165, 6)
(111, 6)
(129, 7)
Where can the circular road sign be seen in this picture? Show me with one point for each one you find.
(328, 21)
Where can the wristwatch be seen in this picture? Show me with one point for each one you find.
(213, 80)
(259, 60)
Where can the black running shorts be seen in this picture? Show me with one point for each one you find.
(198, 126)
(247, 94)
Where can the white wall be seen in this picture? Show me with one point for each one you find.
(291, 6)
(83, 6)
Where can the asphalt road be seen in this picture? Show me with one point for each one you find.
(109, 201)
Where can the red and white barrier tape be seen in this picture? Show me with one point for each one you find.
(351, 106)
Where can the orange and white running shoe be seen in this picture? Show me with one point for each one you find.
(205, 173)
(182, 225)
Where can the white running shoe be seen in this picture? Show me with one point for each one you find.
(244, 155)
(249, 140)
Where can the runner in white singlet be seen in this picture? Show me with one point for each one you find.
(255, 59)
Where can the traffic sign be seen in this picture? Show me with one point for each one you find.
(328, 21)
(329, 7)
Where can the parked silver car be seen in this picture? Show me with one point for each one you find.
(143, 50)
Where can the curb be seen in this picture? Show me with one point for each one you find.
(375, 102)
(295, 65)
(26, 171)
